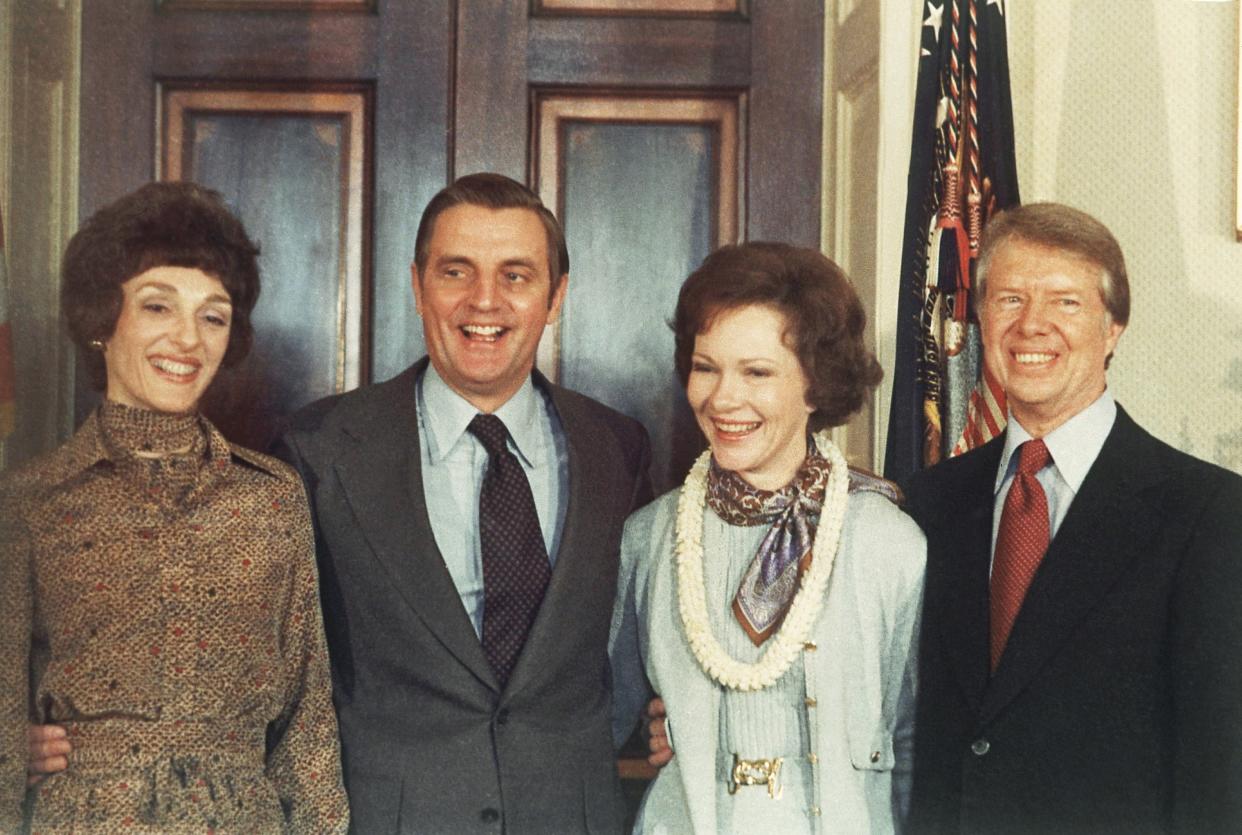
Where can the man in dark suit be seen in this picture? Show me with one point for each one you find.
(1081, 656)
(438, 734)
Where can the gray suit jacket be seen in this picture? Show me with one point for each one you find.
(430, 741)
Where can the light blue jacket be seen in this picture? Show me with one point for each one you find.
(860, 669)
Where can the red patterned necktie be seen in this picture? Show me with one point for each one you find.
(1020, 544)
(515, 559)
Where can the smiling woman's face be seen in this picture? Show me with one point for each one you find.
(169, 340)
(748, 392)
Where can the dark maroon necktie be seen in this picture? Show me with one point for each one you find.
(1020, 544)
(515, 560)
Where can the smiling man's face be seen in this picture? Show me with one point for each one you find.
(485, 297)
(1046, 332)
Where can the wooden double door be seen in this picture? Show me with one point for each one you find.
(656, 129)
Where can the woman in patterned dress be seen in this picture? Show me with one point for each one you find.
(158, 588)
(773, 600)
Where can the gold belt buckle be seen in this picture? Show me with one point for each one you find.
(757, 773)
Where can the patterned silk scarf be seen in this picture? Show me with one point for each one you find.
(770, 583)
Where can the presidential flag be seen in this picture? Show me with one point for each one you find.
(7, 397)
(961, 172)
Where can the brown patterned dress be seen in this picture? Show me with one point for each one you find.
(163, 607)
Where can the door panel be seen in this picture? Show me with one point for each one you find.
(643, 6)
(39, 77)
(646, 187)
(853, 211)
(293, 164)
(274, 5)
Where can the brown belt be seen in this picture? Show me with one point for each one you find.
(110, 742)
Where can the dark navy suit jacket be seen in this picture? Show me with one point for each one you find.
(1117, 706)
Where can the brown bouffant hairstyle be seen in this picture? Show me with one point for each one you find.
(1064, 228)
(825, 320)
(159, 225)
(494, 191)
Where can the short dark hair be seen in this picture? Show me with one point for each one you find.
(493, 191)
(1071, 230)
(160, 225)
(825, 320)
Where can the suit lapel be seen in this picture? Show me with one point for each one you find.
(581, 544)
(966, 509)
(383, 484)
(1107, 525)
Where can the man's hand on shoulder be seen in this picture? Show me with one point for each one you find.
(49, 750)
(655, 722)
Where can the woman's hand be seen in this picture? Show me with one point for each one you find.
(49, 751)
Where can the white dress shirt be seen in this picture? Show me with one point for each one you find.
(1074, 446)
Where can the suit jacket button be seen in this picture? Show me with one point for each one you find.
(980, 747)
(489, 815)
(502, 716)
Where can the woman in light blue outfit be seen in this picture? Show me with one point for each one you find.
(773, 600)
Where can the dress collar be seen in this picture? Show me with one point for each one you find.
(126, 431)
(90, 445)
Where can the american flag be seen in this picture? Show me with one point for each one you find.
(962, 170)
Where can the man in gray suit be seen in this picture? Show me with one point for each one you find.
(440, 730)
(433, 738)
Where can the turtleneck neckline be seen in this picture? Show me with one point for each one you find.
(127, 429)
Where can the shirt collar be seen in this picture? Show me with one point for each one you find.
(447, 414)
(1074, 445)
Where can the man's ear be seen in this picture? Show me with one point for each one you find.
(1113, 335)
(557, 300)
(416, 282)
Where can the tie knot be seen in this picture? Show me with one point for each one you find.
(491, 432)
(1033, 456)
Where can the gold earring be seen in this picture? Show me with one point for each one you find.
(97, 345)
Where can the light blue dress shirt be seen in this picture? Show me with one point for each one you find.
(454, 463)
(1074, 446)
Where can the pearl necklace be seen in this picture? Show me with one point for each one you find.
(783, 647)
